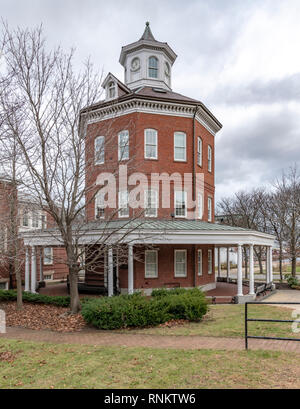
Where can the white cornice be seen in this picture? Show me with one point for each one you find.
(153, 107)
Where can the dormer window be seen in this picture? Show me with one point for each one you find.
(153, 67)
(111, 90)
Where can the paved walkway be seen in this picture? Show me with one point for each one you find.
(107, 338)
(285, 296)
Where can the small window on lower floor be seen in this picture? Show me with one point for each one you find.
(151, 264)
(209, 262)
(180, 263)
(199, 262)
(48, 277)
(48, 255)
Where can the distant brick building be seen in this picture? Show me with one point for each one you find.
(142, 123)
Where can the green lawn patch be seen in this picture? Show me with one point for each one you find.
(37, 365)
(228, 321)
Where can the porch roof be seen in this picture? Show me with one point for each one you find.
(156, 232)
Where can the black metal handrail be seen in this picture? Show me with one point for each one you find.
(266, 320)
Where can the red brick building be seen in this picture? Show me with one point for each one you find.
(167, 137)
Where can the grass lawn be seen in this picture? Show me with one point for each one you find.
(228, 321)
(36, 365)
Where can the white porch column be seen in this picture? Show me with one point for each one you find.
(130, 269)
(270, 264)
(228, 264)
(240, 271)
(27, 269)
(110, 273)
(33, 269)
(41, 264)
(219, 262)
(251, 269)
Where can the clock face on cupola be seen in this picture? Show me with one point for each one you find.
(147, 62)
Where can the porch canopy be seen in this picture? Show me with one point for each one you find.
(145, 231)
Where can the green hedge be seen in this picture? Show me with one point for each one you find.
(11, 295)
(138, 311)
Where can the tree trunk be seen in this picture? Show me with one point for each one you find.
(18, 279)
(280, 261)
(294, 265)
(75, 302)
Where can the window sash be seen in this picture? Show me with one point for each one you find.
(123, 144)
(123, 204)
(180, 263)
(48, 255)
(153, 67)
(180, 146)
(200, 262)
(209, 209)
(99, 150)
(209, 261)
(151, 263)
(180, 204)
(150, 144)
(199, 152)
(200, 205)
(209, 158)
(150, 197)
(99, 206)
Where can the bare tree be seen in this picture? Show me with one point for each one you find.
(57, 147)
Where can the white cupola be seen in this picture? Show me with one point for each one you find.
(147, 62)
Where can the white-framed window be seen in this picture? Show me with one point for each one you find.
(48, 276)
(209, 209)
(48, 256)
(199, 151)
(99, 150)
(123, 145)
(44, 221)
(123, 204)
(180, 200)
(209, 262)
(200, 262)
(151, 203)
(111, 90)
(35, 219)
(25, 221)
(209, 158)
(150, 144)
(153, 67)
(200, 205)
(99, 206)
(151, 263)
(180, 146)
(180, 263)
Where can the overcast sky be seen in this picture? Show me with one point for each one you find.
(240, 57)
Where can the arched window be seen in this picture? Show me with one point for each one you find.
(153, 67)
(111, 90)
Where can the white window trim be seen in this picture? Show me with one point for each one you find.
(209, 208)
(108, 97)
(185, 201)
(121, 154)
(119, 211)
(200, 205)
(199, 151)
(146, 202)
(145, 144)
(50, 263)
(180, 251)
(156, 252)
(180, 160)
(209, 261)
(46, 273)
(200, 265)
(98, 162)
(209, 158)
(157, 69)
(97, 205)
